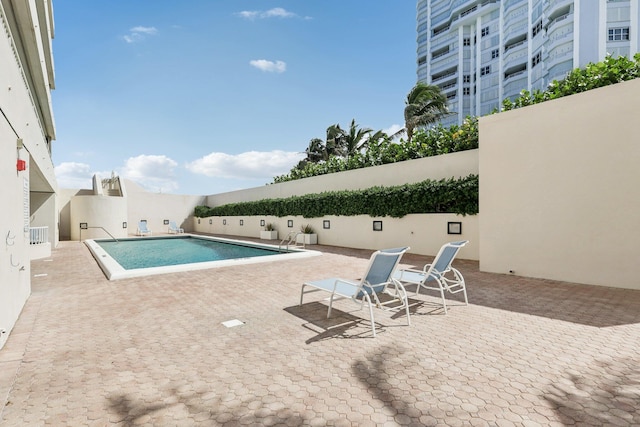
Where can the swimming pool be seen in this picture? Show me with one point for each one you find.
(135, 257)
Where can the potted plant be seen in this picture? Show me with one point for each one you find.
(307, 235)
(269, 232)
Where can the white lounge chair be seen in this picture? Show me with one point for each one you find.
(142, 229)
(173, 228)
(439, 275)
(376, 280)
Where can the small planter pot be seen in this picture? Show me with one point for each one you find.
(269, 235)
(307, 239)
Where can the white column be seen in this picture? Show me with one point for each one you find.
(603, 33)
(634, 27)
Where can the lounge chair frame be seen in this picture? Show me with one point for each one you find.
(143, 230)
(173, 228)
(440, 272)
(377, 280)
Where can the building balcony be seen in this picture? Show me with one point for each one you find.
(510, 4)
(553, 8)
(439, 77)
(562, 20)
(516, 30)
(469, 14)
(515, 85)
(443, 64)
(560, 69)
(440, 40)
(515, 56)
(444, 61)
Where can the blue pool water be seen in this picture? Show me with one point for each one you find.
(158, 252)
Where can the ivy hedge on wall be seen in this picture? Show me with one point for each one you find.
(459, 196)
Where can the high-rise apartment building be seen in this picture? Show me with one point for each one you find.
(483, 51)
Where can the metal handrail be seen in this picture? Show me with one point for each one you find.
(291, 237)
(103, 229)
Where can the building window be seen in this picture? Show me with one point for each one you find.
(466, 78)
(495, 53)
(466, 91)
(536, 29)
(536, 59)
(466, 41)
(618, 34)
(485, 70)
(422, 60)
(484, 32)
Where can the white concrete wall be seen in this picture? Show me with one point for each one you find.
(425, 233)
(21, 119)
(98, 211)
(77, 206)
(156, 208)
(559, 194)
(451, 165)
(15, 270)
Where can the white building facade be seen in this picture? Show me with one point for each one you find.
(480, 52)
(28, 212)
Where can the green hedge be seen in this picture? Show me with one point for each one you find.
(459, 196)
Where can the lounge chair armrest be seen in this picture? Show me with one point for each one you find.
(400, 272)
(346, 282)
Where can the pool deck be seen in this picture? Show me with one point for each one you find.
(153, 350)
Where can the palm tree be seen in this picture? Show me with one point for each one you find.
(425, 104)
(335, 136)
(353, 140)
(317, 151)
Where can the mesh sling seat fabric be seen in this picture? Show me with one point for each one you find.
(142, 229)
(173, 228)
(439, 275)
(376, 281)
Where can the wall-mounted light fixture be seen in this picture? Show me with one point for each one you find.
(262, 223)
(224, 222)
(377, 225)
(454, 228)
(241, 222)
(124, 224)
(198, 220)
(326, 224)
(210, 221)
(84, 226)
(290, 223)
(165, 222)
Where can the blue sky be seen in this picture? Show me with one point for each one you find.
(208, 96)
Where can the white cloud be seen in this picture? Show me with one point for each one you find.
(249, 165)
(276, 12)
(73, 175)
(137, 34)
(269, 66)
(393, 129)
(154, 173)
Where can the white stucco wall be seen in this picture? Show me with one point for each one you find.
(156, 208)
(456, 165)
(23, 111)
(424, 233)
(559, 194)
(98, 211)
(15, 270)
(110, 212)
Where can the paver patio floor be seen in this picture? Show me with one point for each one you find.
(153, 350)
